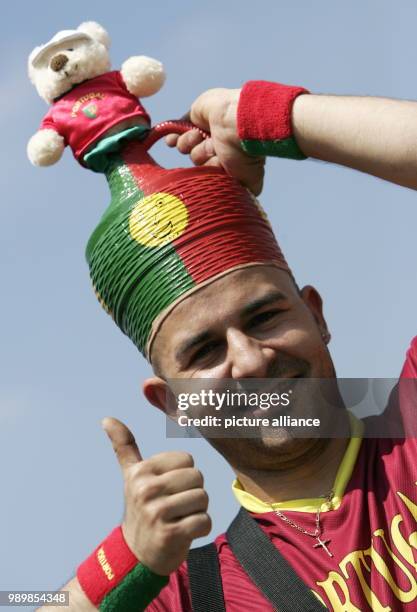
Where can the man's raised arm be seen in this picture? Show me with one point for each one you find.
(374, 135)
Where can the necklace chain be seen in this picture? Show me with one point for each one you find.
(317, 533)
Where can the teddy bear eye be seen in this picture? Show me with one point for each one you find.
(70, 49)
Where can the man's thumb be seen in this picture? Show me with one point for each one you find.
(200, 108)
(123, 442)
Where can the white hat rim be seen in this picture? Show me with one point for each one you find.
(54, 42)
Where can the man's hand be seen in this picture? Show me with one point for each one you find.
(165, 508)
(166, 504)
(215, 112)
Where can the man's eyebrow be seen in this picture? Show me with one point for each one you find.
(191, 343)
(275, 296)
(253, 306)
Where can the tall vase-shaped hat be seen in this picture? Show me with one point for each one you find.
(168, 232)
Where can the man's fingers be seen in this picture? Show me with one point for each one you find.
(169, 461)
(171, 140)
(123, 442)
(214, 162)
(182, 479)
(215, 111)
(186, 142)
(249, 171)
(185, 504)
(200, 109)
(202, 152)
(196, 525)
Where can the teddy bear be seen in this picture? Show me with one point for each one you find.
(89, 102)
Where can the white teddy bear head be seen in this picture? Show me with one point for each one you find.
(70, 57)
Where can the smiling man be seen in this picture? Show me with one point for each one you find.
(263, 327)
(341, 512)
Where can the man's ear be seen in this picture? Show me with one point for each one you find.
(312, 299)
(157, 392)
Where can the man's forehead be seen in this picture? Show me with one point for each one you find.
(226, 297)
(215, 304)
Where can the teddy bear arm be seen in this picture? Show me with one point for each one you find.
(45, 147)
(142, 75)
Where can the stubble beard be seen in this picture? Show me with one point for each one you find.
(284, 449)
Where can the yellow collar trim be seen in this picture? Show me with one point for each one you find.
(253, 504)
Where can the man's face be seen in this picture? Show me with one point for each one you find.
(251, 323)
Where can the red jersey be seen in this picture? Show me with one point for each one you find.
(91, 108)
(372, 531)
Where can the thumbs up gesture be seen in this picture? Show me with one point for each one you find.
(165, 502)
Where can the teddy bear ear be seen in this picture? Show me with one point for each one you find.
(96, 31)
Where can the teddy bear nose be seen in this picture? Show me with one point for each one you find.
(58, 62)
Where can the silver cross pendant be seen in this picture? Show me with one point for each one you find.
(323, 544)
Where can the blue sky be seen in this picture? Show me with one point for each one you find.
(63, 364)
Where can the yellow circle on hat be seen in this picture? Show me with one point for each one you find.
(157, 219)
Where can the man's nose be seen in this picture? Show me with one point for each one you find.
(58, 62)
(248, 358)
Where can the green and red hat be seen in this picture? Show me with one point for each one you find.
(167, 233)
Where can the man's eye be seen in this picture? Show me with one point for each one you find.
(205, 351)
(263, 317)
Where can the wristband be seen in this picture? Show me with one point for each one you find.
(113, 579)
(264, 119)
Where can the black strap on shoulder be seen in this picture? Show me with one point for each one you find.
(205, 580)
(267, 568)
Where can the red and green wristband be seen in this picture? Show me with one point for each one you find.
(114, 580)
(264, 119)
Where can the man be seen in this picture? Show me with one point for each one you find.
(342, 512)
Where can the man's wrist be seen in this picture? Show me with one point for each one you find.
(264, 119)
(113, 578)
